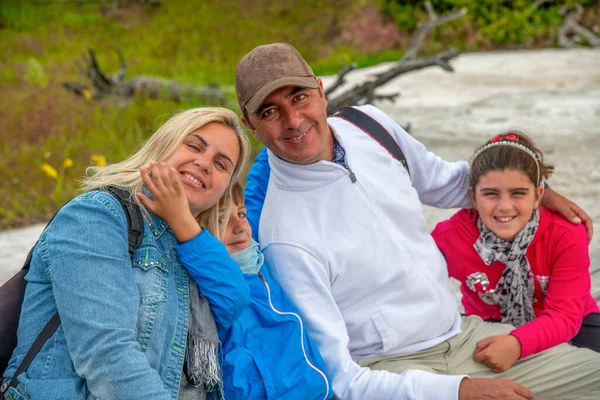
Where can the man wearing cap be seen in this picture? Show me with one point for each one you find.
(343, 229)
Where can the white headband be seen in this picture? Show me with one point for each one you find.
(511, 144)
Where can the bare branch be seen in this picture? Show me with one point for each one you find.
(362, 93)
(573, 12)
(540, 3)
(588, 35)
(403, 67)
(430, 10)
(340, 78)
(99, 80)
(76, 88)
(424, 28)
(369, 92)
(120, 76)
(389, 97)
(571, 26)
(365, 92)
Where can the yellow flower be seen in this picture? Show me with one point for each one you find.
(87, 95)
(50, 170)
(68, 163)
(99, 160)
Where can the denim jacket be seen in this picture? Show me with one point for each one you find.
(123, 324)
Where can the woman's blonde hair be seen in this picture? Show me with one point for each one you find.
(225, 204)
(161, 145)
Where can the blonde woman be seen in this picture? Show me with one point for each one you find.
(135, 329)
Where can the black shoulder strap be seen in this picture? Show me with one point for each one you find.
(375, 130)
(135, 221)
(135, 231)
(37, 345)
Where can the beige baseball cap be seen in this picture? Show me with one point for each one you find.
(268, 68)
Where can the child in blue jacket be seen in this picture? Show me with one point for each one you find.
(266, 352)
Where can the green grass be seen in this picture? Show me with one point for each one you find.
(191, 41)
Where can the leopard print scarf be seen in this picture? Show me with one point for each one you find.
(514, 291)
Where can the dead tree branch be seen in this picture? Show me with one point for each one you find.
(571, 27)
(365, 92)
(119, 77)
(540, 3)
(424, 28)
(340, 78)
(142, 86)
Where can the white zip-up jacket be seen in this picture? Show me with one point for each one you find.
(358, 260)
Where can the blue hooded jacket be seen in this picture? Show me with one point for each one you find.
(266, 352)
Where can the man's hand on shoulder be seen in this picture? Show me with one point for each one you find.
(489, 389)
(571, 211)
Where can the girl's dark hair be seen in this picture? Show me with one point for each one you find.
(500, 157)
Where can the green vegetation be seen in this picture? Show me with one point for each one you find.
(491, 24)
(48, 136)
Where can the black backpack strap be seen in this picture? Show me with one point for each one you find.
(135, 220)
(45, 334)
(135, 225)
(366, 123)
(47, 331)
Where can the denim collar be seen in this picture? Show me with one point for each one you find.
(157, 224)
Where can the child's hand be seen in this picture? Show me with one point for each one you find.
(498, 352)
(170, 201)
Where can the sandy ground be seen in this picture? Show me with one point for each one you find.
(553, 95)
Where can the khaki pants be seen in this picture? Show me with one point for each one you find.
(562, 372)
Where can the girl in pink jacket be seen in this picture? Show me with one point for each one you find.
(518, 263)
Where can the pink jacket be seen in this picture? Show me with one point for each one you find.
(559, 260)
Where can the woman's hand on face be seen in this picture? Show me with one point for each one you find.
(170, 201)
(499, 352)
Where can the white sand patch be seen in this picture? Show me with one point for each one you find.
(14, 246)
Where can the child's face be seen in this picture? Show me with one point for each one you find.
(505, 201)
(238, 234)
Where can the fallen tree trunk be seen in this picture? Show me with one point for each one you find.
(142, 86)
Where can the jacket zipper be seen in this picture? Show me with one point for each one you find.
(264, 279)
(352, 176)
